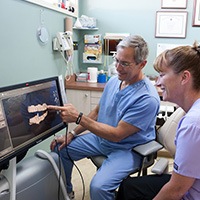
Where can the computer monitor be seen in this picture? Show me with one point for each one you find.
(24, 118)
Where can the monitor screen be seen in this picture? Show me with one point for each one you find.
(24, 118)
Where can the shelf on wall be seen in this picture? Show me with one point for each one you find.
(52, 7)
(89, 29)
(93, 62)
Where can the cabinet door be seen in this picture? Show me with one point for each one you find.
(81, 100)
(95, 97)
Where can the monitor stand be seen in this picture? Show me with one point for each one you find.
(10, 175)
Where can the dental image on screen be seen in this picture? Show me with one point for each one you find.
(24, 115)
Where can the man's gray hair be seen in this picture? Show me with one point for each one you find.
(138, 44)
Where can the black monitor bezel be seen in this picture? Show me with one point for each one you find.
(20, 152)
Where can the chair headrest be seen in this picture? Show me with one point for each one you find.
(166, 133)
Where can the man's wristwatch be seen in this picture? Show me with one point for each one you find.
(73, 133)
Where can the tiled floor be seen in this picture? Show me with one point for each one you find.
(87, 170)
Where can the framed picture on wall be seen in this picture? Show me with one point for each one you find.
(171, 24)
(196, 13)
(174, 4)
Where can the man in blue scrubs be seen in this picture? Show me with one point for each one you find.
(125, 117)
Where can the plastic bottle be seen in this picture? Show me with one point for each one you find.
(101, 77)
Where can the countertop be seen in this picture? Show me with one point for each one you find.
(85, 86)
(72, 84)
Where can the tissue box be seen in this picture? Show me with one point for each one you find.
(82, 77)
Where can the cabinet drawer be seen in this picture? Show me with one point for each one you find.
(81, 100)
(96, 94)
(95, 100)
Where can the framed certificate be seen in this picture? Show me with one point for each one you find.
(174, 4)
(196, 13)
(171, 24)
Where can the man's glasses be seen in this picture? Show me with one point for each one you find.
(122, 63)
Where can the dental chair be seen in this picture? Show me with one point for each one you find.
(165, 139)
(165, 136)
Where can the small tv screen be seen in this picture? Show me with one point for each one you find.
(24, 118)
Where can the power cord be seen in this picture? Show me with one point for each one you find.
(60, 175)
(59, 168)
(82, 179)
(44, 155)
(69, 70)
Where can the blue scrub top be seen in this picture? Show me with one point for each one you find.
(137, 104)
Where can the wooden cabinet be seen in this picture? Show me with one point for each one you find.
(83, 100)
(80, 99)
(94, 98)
